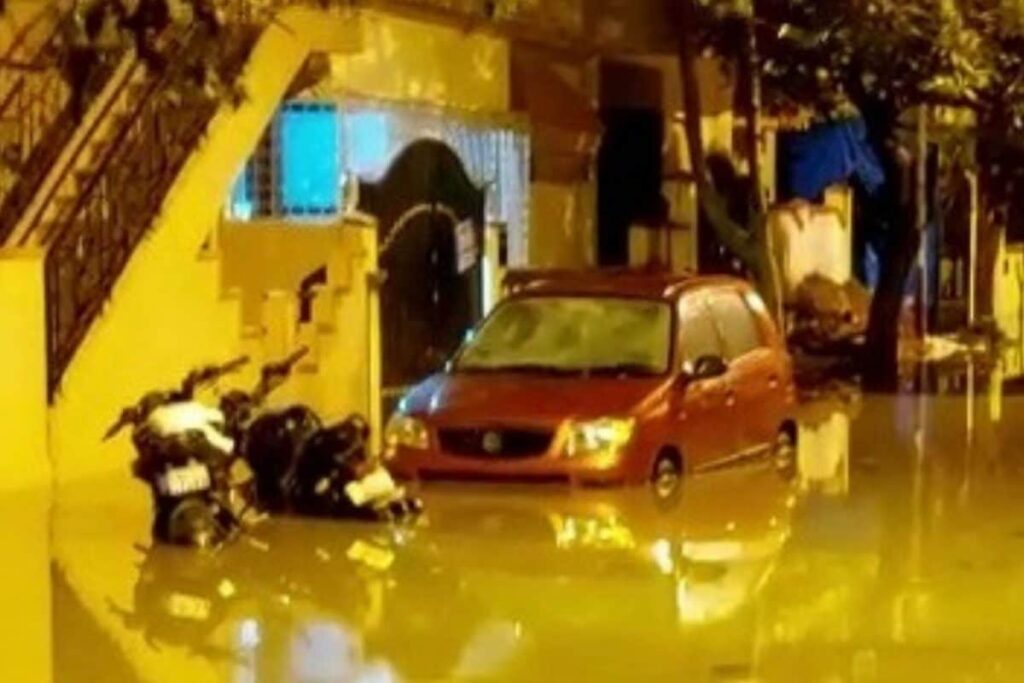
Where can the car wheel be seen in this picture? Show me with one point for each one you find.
(784, 453)
(667, 474)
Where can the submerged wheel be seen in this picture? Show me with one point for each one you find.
(667, 474)
(194, 523)
(784, 452)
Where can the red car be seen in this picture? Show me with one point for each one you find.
(598, 378)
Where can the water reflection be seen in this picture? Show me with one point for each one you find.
(896, 553)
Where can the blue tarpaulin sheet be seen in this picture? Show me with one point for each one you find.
(826, 154)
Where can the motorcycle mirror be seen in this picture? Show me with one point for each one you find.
(234, 365)
(285, 366)
(126, 418)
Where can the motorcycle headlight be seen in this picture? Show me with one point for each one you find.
(606, 436)
(407, 432)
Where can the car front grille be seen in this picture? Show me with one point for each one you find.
(495, 443)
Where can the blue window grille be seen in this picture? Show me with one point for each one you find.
(310, 159)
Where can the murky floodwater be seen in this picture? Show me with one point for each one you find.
(897, 554)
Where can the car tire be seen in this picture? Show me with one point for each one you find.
(667, 474)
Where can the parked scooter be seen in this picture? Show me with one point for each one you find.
(187, 456)
(302, 466)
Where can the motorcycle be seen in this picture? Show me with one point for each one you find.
(187, 457)
(210, 468)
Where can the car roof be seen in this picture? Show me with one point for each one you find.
(628, 282)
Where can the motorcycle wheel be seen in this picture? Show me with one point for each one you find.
(193, 522)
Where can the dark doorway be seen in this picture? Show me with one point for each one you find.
(630, 158)
(431, 219)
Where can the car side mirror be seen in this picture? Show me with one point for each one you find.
(704, 368)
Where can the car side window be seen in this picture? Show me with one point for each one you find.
(739, 327)
(697, 332)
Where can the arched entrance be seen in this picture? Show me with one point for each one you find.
(430, 217)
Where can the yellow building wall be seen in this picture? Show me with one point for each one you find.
(563, 220)
(409, 60)
(266, 263)
(261, 256)
(167, 313)
(1009, 306)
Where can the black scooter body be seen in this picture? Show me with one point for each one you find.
(303, 467)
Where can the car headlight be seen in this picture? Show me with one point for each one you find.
(407, 432)
(606, 436)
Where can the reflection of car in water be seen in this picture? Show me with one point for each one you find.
(494, 584)
(542, 585)
(599, 378)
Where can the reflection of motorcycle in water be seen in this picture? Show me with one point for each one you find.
(270, 601)
(185, 453)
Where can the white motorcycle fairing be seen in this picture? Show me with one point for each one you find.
(191, 416)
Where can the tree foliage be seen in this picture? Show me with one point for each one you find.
(879, 59)
(831, 54)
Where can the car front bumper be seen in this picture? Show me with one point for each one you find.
(547, 468)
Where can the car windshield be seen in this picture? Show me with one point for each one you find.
(573, 335)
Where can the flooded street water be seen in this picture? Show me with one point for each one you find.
(896, 553)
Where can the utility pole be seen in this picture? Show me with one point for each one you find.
(922, 213)
(972, 259)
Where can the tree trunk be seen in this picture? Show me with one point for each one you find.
(890, 210)
(749, 244)
(752, 104)
(989, 229)
(881, 349)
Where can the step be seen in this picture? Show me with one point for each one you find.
(135, 91)
(84, 176)
(62, 205)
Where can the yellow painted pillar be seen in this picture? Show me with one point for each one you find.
(370, 282)
(24, 461)
(280, 320)
(494, 271)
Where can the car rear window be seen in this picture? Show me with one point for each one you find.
(698, 334)
(739, 327)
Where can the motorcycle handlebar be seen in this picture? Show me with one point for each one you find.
(212, 373)
(285, 366)
(275, 373)
(197, 378)
(234, 365)
(126, 418)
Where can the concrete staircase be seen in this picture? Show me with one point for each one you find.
(334, 314)
(115, 280)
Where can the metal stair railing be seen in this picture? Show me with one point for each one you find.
(89, 245)
(39, 122)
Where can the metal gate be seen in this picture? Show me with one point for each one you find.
(430, 217)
